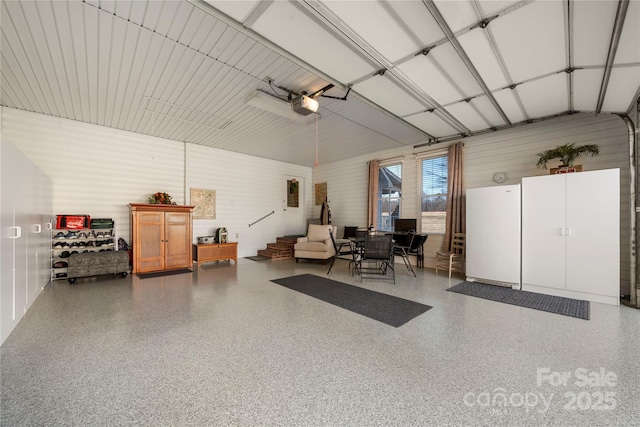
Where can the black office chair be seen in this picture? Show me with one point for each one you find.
(402, 246)
(377, 257)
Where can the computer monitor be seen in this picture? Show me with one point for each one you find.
(350, 232)
(405, 224)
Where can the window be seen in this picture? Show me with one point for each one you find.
(389, 193)
(433, 199)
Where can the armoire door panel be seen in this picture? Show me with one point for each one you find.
(178, 240)
(150, 242)
(151, 255)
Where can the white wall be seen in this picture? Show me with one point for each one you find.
(512, 151)
(247, 188)
(98, 171)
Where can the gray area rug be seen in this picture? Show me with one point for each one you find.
(163, 273)
(384, 308)
(552, 304)
(258, 258)
(216, 264)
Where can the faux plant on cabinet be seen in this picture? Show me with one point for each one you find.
(160, 198)
(567, 154)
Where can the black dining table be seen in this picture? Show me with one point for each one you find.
(398, 236)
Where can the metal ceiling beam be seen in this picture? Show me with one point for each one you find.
(635, 102)
(322, 15)
(435, 12)
(210, 10)
(338, 29)
(496, 51)
(621, 13)
(256, 13)
(493, 129)
(569, 45)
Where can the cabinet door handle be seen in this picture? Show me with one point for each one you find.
(565, 231)
(15, 232)
(37, 228)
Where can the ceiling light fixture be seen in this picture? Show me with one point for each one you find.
(279, 106)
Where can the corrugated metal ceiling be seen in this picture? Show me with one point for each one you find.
(418, 70)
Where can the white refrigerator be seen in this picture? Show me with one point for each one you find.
(493, 235)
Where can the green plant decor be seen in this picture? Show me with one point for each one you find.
(293, 186)
(567, 153)
(160, 198)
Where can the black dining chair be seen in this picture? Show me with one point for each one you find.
(357, 246)
(417, 248)
(377, 257)
(342, 248)
(401, 247)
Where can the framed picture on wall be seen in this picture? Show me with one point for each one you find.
(204, 203)
(321, 193)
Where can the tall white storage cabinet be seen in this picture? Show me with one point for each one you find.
(571, 235)
(25, 249)
(493, 235)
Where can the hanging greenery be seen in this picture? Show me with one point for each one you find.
(293, 186)
(567, 153)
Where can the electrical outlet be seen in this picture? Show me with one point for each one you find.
(237, 235)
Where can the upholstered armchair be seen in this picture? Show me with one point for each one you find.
(316, 244)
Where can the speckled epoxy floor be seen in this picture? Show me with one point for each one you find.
(224, 346)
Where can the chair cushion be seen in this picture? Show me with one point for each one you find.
(318, 233)
(312, 246)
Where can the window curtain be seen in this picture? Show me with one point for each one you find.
(374, 171)
(456, 209)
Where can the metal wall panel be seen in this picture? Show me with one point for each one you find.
(98, 171)
(512, 151)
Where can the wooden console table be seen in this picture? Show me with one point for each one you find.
(215, 252)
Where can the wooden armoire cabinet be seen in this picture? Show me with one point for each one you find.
(161, 237)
